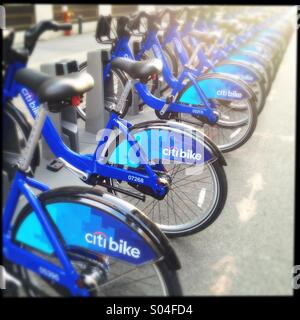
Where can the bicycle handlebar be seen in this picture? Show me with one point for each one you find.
(32, 34)
(134, 22)
(61, 26)
(153, 21)
(173, 14)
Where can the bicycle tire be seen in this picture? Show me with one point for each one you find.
(169, 276)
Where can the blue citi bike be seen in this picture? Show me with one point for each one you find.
(203, 100)
(169, 170)
(253, 38)
(183, 40)
(234, 45)
(78, 241)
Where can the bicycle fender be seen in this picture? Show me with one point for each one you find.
(95, 223)
(238, 70)
(158, 138)
(209, 144)
(216, 86)
(250, 58)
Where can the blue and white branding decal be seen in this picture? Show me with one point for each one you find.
(102, 240)
(89, 228)
(228, 94)
(188, 154)
(159, 145)
(214, 88)
(30, 99)
(247, 77)
(49, 274)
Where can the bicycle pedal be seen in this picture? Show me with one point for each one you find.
(55, 165)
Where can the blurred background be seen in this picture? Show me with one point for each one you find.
(21, 16)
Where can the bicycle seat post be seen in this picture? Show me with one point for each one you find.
(28, 152)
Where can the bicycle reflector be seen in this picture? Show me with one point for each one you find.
(75, 101)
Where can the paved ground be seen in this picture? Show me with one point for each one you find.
(249, 249)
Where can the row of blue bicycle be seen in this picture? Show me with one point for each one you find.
(206, 71)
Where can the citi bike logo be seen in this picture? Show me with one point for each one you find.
(228, 93)
(29, 98)
(246, 77)
(101, 240)
(175, 152)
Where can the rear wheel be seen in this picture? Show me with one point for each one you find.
(235, 126)
(196, 197)
(98, 273)
(121, 280)
(259, 90)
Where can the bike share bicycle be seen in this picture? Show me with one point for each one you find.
(183, 39)
(207, 94)
(77, 241)
(174, 173)
(235, 52)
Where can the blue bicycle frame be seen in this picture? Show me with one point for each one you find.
(93, 164)
(70, 224)
(174, 37)
(85, 163)
(122, 50)
(202, 91)
(67, 275)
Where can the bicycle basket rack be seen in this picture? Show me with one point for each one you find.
(103, 31)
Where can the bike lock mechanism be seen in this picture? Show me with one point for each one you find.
(28, 152)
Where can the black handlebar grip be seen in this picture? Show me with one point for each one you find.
(134, 23)
(64, 26)
(135, 20)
